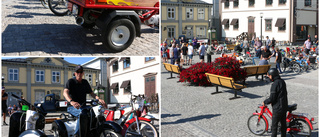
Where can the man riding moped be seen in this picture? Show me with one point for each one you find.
(75, 93)
(279, 101)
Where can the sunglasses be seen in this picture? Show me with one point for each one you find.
(79, 72)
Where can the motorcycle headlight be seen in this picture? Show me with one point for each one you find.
(35, 116)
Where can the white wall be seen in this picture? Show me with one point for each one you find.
(243, 12)
(135, 73)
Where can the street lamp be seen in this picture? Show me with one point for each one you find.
(261, 15)
(2, 78)
(209, 31)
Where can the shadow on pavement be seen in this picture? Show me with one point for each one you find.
(28, 14)
(244, 94)
(52, 38)
(26, 7)
(196, 118)
(256, 83)
(169, 115)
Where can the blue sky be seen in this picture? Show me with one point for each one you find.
(74, 60)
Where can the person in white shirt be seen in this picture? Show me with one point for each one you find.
(190, 54)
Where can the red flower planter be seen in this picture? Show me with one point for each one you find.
(225, 66)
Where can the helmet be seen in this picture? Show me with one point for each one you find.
(273, 72)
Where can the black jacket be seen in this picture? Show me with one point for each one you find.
(278, 97)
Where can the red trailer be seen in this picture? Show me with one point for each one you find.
(119, 20)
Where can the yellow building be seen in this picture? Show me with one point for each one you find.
(33, 78)
(184, 17)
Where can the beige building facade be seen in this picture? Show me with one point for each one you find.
(33, 78)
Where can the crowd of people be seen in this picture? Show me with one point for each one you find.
(181, 52)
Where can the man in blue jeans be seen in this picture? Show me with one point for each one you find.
(75, 93)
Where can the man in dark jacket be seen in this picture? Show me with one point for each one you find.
(279, 101)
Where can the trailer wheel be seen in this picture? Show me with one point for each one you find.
(119, 35)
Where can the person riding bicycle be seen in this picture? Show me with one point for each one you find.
(279, 101)
(75, 93)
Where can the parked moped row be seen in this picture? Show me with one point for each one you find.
(94, 121)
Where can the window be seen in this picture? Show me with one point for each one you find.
(201, 13)
(57, 92)
(127, 89)
(171, 32)
(236, 26)
(201, 32)
(39, 75)
(126, 63)
(89, 78)
(307, 3)
(268, 25)
(281, 24)
(283, 27)
(226, 26)
(282, 1)
(13, 74)
(235, 3)
(149, 58)
(251, 3)
(116, 90)
(171, 13)
(55, 77)
(269, 2)
(115, 66)
(301, 32)
(189, 13)
(226, 4)
(39, 96)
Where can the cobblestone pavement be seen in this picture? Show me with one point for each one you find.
(191, 111)
(47, 130)
(28, 29)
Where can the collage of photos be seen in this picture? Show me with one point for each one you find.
(160, 68)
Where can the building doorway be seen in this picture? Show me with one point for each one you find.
(150, 86)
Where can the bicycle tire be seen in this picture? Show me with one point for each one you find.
(54, 5)
(298, 123)
(256, 124)
(131, 130)
(296, 68)
(283, 67)
(45, 3)
(109, 133)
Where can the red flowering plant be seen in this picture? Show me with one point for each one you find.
(195, 74)
(225, 66)
(228, 67)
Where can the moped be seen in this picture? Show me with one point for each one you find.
(92, 123)
(27, 122)
(131, 119)
(297, 124)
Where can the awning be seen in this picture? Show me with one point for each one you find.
(122, 59)
(225, 21)
(113, 86)
(125, 84)
(234, 21)
(280, 22)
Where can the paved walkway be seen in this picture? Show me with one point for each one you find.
(192, 111)
(28, 29)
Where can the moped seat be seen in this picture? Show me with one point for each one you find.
(292, 107)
